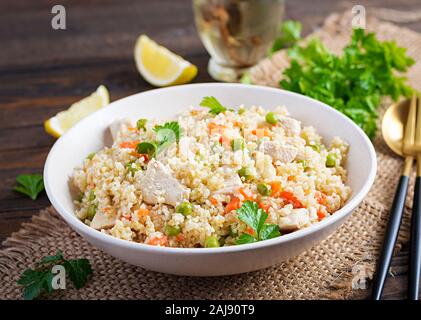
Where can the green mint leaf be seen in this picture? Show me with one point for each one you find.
(30, 184)
(245, 238)
(213, 104)
(166, 131)
(269, 231)
(79, 271)
(252, 215)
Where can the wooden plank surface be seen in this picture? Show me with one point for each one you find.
(43, 71)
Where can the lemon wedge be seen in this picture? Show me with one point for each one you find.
(159, 66)
(64, 120)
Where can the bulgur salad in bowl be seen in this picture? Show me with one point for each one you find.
(211, 177)
(194, 190)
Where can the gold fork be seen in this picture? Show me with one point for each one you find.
(411, 149)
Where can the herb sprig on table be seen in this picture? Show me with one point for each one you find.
(255, 218)
(353, 82)
(290, 33)
(29, 184)
(38, 281)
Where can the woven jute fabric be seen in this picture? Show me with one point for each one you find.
(337, 268)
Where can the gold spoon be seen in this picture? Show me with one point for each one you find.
(401, 129)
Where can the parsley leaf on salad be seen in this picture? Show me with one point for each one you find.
(255, 218)
(213, 104)
(30, 184)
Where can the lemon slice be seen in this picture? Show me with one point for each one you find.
(64, 120)
(159, 66)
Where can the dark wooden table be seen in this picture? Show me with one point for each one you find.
(42, 71)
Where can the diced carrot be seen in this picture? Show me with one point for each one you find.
(129, 144)
(180, 237)
(213, 201)
(194, 112)
(234, 204)
(143, 212)
(276, 188)
(264, 206)
(236, 124)
(140, 155)
(261, 132)
(133, 129)
(225, 141)
(215, 128)
(250, 231)
(158, 241)
(246, 195)
(320, 197)
(320, 215)
(290, 198)
(291, 178)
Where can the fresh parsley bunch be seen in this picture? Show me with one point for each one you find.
(39, 280)
(255, 218)
(354, 82)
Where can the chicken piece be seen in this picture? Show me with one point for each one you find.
(297, 219)
(111, 134)
(264, 165)
(231, 184)
(284, 154)
(291, 126)
(102, 220)
(159, 186)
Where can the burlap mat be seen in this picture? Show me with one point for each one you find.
(336, 268)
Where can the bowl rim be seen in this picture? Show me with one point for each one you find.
(106, 239)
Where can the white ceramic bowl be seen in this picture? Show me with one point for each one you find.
(87, 136)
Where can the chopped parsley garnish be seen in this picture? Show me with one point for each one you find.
(213, 104)
(30, 184)
(166, 134)
(255, 218)
(38, 281)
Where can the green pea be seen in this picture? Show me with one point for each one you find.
(246, 173)
(211, 242)
(184, 208)
(237, 144)
(264, 189)
(91, 156)
(90, 213)
(331, 160)
(241, 111)
(141, 124)
(172, 231)
(91, 196)
(271, 118)
(80, 196)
